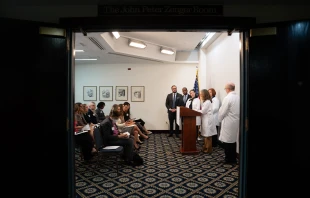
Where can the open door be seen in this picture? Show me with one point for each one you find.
(37, 91)
(279, 58)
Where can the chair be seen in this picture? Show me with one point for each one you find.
(101, 151)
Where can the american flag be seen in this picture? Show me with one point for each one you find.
(196, 84)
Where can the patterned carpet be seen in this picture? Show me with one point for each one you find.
(165, 173)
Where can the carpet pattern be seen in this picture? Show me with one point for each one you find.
(166, 173)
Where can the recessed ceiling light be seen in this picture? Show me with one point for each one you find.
(137, 44)
(166, 51)
(79, 50)
(116, 35)
(82, 59)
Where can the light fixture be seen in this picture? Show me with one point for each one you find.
(137, 44)
(116, 35)
(166, 51)
(82, 59)
(79, 50)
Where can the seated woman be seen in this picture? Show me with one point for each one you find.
(79, 116)
(131, 122)
(124, 127)
(83, 140)
(99, 112)
(139, 122)
(111, 136)
(87, 116)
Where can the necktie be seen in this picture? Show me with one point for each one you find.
(184, 99)
(173, 102)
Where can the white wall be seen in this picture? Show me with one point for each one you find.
(222, 63)
(157, 79)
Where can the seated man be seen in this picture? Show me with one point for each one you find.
(111, 136)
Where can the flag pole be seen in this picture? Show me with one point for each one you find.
(197, 71)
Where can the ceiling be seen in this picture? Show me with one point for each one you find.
(181, 41)
(116, 51)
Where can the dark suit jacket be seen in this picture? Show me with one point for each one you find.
(178, 101)
(92, 116)
(100, 115)
(188, 96)
(106, 131)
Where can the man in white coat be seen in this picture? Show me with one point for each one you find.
(229, 114)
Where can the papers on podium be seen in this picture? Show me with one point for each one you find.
(178, 118)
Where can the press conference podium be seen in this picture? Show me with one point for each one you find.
(188, 141)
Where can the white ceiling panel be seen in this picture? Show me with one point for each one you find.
(181, 41)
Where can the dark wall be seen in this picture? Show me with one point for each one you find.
(278, 81)
(34, 86)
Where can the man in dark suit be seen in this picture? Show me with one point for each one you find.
(92, 113)
(185, 96)
(121, 139)
(173, 100)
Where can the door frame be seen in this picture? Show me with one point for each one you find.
(55, 30)
(178, 23)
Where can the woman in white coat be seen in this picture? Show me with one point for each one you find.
(194, 104)
(208, 128)
(216, 107)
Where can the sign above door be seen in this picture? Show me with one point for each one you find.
(166, 10)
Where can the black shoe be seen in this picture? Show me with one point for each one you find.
(170, 135)
(130, 163)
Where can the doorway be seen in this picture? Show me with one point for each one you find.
(104, 62)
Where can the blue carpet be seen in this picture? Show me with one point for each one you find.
(166, 173)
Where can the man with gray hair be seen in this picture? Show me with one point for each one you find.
(228, 115)
(92, 113)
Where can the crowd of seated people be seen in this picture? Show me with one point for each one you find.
(123, 127)
(131, 122)
(139, 122)
(113, 128)
(84, 140)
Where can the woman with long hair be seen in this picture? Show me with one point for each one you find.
(208, 128)
(125, 127)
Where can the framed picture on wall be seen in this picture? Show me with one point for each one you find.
(121, 93)
(89, 93)
(137, 94)
(106, 93)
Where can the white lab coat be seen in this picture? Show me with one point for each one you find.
(195, 107)
(208, 127)
(216, 107)
(229, 114)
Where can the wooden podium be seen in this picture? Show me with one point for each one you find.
(188, 141)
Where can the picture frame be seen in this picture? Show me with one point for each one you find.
(89, 93)
(137, 93)
(106, 93)
(121, 93)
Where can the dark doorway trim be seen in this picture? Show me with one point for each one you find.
(157, 23)
(178, 23)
